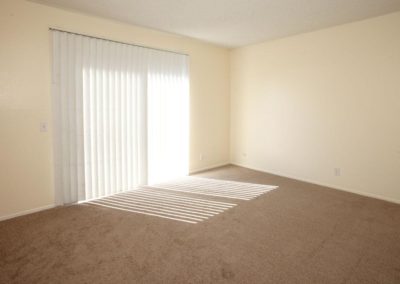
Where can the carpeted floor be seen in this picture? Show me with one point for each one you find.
(298, 233)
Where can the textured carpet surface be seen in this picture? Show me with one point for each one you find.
(298, 233)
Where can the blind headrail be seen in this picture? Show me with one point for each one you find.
(121, 42)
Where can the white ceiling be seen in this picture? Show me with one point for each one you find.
(232, 23)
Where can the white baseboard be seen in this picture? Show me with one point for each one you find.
(26, 212)
(367, 194)
(197, 170)
(393, 200)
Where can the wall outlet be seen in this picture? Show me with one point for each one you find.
(337, 172)
(244, 155)
(201, 157)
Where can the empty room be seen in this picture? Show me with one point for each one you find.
(224, 141)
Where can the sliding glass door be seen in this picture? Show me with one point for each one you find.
(120, 116)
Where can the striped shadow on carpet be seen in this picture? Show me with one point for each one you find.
(217, 188)
(164, 204)
(171, 201)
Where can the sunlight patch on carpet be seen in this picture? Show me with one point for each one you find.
(164, 204)
(170, 200)
(217, 188)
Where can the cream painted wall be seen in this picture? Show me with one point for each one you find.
(304, 105)
(26, 176)
(300, 106)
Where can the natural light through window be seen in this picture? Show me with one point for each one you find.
(121, 116)
(168, 127)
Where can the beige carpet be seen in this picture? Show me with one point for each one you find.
(298, 233)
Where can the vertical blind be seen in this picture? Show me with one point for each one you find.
(120, 116)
